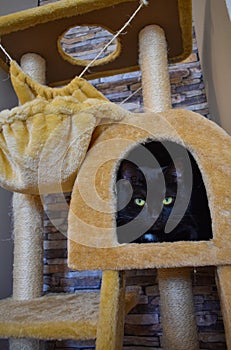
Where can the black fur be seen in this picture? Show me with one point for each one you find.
(150, 219)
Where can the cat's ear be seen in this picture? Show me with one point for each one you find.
(174, 170)
(128, 170)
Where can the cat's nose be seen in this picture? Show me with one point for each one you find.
(154, 214)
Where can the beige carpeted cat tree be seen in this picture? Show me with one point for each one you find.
(53, 129)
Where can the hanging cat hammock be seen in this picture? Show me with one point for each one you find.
(63, 120)
(65, 113)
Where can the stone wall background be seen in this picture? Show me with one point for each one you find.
(143, 324)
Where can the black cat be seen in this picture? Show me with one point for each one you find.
(161, 200)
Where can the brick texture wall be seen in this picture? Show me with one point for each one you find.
(143, 324)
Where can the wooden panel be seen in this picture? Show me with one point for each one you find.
(41, 30)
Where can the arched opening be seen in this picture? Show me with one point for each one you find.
(161, 196)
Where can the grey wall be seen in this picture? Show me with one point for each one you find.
(9, 6)
(7, 100)
(213, 32)
(5, 244)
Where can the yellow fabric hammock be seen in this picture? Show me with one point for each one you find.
(51, 130)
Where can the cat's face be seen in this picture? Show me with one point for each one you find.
(146, 196)
(163, 201)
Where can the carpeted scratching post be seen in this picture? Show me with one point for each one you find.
(110, 328)
(154, 67)
(28, 252)
(177, 311)
(177, 314)
(28, 231)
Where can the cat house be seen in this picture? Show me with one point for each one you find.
(92, 213)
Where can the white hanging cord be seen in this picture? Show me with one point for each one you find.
(130, 96)
(5, 52)
(142, 3)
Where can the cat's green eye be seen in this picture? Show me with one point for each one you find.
(140, 202)
(168, 201)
